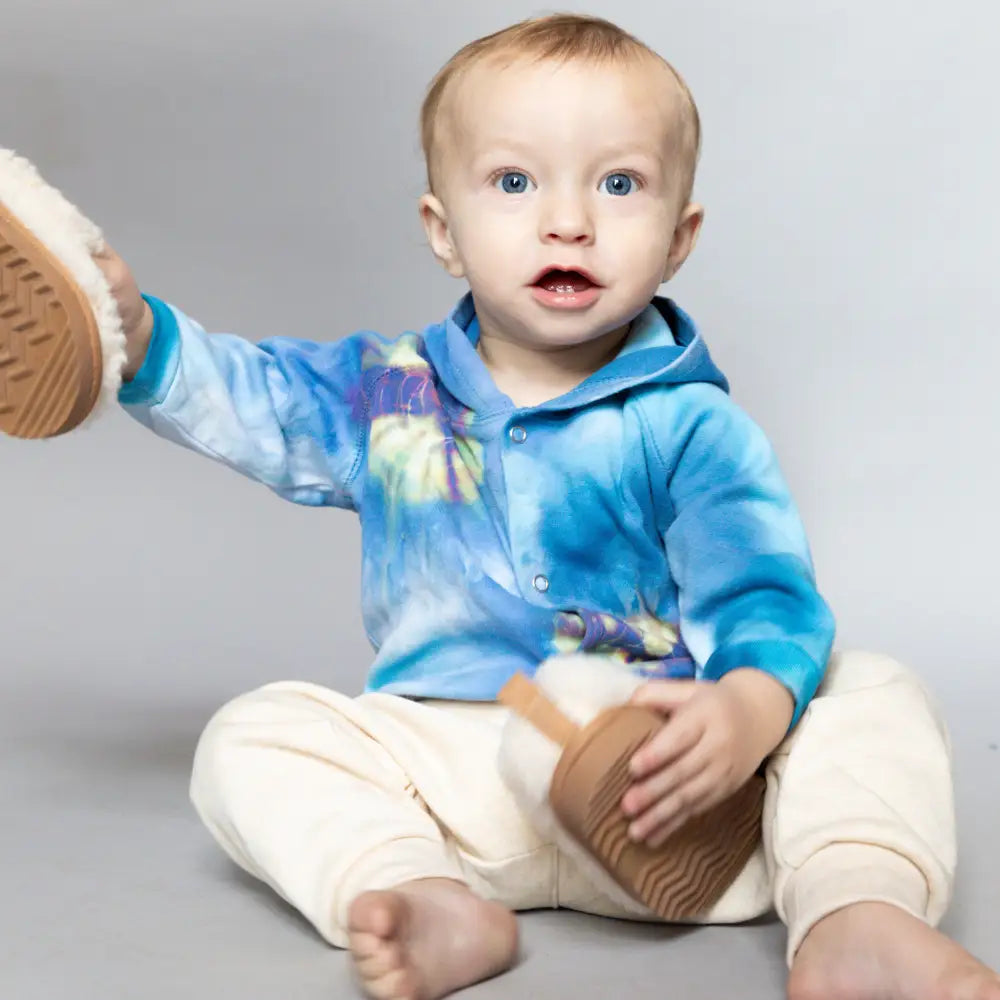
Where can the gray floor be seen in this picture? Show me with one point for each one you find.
(112, 889)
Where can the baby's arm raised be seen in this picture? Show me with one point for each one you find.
(287, 413)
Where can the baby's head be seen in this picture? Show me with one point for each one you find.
(561, 142)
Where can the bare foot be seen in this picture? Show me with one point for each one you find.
(873, 951)
(427, 939)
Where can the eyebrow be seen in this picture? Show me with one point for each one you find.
(624, 152)
(621, 151)
(504, 142)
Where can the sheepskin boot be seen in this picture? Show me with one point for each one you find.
(564, 755)
(62, 349)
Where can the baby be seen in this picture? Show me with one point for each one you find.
(555, 468)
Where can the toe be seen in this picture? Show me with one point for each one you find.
(373, 962)
(399, 984)
(375, 913)
(363, 945)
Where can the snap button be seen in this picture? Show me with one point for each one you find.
(540, 583)
(518, 435)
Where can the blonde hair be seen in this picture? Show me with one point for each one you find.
(560, 38)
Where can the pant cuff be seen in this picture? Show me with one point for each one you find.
(385, 867)
(844, 874)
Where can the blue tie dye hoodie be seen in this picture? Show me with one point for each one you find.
(642, 514)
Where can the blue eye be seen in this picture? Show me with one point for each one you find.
(514, 182)
(618, 184)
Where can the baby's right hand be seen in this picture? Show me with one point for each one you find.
(136, 316)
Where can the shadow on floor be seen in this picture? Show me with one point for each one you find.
(582, 924)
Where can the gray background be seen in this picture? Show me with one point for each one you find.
(257, 164)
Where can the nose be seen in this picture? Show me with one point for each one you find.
(566, 218)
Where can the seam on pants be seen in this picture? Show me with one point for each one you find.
(786, 746)
(903, 821)
(409, 789)
(284, 748)
(841, 842)
(907, 676)
(304, 693)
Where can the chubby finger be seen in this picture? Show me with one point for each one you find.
(643, 794)
(668, 815)
(676, 738)
(665, 696)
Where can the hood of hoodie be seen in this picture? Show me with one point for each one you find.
(664, 347)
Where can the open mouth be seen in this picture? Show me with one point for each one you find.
(564, 282)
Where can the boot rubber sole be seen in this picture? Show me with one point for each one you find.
(50, 345)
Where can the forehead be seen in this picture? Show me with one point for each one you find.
(546, 105)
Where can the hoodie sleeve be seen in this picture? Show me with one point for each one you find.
(287, 413)
(737, 549)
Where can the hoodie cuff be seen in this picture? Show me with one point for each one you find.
(785, 661)
(159, 367)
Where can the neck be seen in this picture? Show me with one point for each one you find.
(533, 375)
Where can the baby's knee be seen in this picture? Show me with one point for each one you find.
(246, 722)
(857, 669)
(213, 746)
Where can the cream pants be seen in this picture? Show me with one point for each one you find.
(323, 797)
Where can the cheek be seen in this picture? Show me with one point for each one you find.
(642, 239)
(493, 234)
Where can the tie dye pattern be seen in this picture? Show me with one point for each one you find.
(642, 515)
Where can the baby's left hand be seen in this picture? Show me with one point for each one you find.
(704, 753)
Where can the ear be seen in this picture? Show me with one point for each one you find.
(435, 221)
(686, 234)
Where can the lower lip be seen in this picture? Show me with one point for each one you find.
(566, 300)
